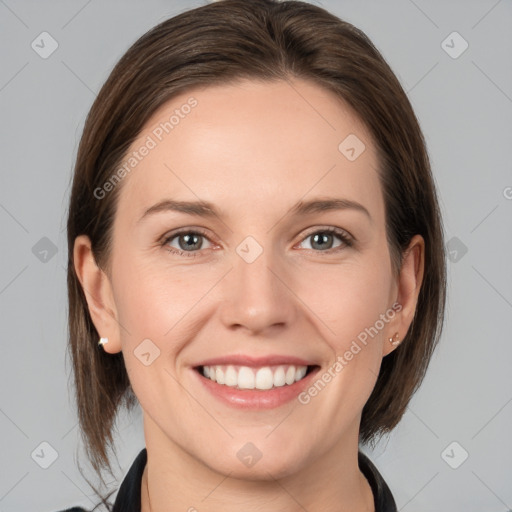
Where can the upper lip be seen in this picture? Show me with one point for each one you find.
(246, 360)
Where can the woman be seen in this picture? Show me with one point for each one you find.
(255, 240)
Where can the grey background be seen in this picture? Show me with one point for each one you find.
(464, 106)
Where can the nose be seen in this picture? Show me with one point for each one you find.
(257, 296)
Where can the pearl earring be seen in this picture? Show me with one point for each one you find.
(103, 341)
(394, 340)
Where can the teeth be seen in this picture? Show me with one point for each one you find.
(219, 375)
(231, 376)
(279, 377)
(245, 377)
(301, 371)
(290, 375)
(264, 378)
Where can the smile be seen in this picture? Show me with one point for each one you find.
(262, 378)
(255, 382)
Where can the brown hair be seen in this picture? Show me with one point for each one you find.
(264, 40)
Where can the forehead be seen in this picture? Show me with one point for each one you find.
(247, 144)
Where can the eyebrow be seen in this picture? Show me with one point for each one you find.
(208, 210)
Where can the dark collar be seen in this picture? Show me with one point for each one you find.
(128, 497)
(382, 497)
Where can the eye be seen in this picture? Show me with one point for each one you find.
(323, 240)
(186, 243)
(190, 242)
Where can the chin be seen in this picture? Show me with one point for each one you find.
(267, 464)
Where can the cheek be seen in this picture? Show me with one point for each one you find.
(162, 303)
(346, 298)
(348, 301)
(154, 308)
(150, 298)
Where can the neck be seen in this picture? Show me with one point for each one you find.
(173, 478)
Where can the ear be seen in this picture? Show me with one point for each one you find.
(98, 292)
(408, 288)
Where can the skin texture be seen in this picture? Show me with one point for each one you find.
(253, 149)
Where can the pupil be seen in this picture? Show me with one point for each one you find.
(324, 237)
(190, 242)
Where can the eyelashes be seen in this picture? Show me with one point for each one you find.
(345, 239)
(194, 237)
(194, 232)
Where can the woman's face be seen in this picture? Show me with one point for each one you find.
(287, 265)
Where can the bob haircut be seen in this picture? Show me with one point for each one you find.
(264, 40)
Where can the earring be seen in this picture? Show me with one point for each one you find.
(103, 341)
(394, 340)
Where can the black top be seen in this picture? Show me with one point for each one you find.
(128, 497)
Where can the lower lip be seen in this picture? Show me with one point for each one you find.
(256, 398)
